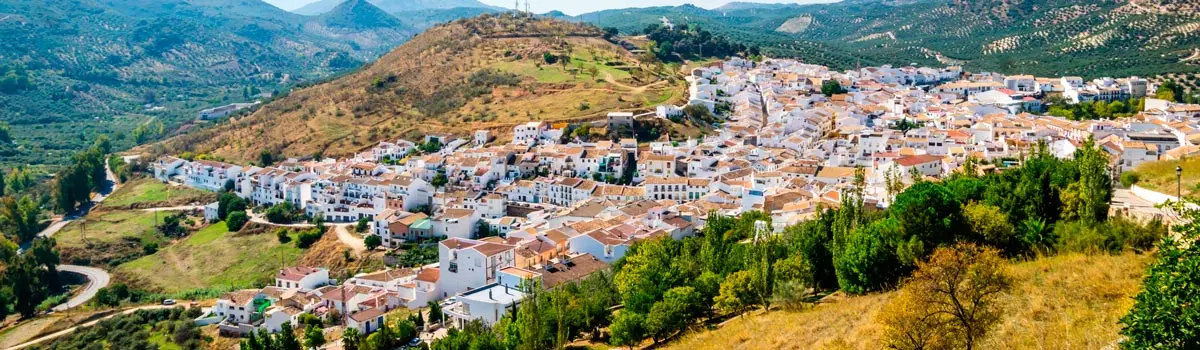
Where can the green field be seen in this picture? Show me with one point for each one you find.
(211, 257)
(555, 73)
(150, 193)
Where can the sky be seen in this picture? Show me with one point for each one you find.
(575, 7)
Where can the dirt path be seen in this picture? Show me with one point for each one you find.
(54, 335)
(349, 239)
(608, 77)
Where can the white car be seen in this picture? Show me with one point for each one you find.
(168, 302)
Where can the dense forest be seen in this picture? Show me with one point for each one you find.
(670, 45)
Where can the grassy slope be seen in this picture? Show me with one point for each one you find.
(149, 193)
(1064, 302)
(109, 226)
(1160, 176)
(211, 257)
(351, 113)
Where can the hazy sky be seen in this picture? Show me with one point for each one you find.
(575, 7)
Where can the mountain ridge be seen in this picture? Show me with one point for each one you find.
(393, 6)
(104, 66)
(1052, 38)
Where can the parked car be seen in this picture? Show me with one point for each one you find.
(168, 302)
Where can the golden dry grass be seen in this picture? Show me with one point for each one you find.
(1160, 176)
(1071, 301)
(352, 113)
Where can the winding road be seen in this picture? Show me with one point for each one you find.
(97, 279)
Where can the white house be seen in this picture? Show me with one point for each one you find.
(302, 278)
(467, 264)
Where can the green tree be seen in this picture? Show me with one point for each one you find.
(628, 329)
(236, 220)
(992, 226)
(265, 158)
(363, 224)
(372, 241)
(1164, 313)
(811, 241)
(406, 330)
(435, 312)
(439, 180)
(1169, 90)
(1129, 178)
(19, 218)
(928, 215)
(868, 262)
(5, 133)
(280, 213)
(227, 203)
(313, 337)
(287, 338)
(673, 313)
(1095, 184)
(738, 292)
(831, 87)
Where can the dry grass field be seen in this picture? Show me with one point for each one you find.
(1071, 301)
(482, 73)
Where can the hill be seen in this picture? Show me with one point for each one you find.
(1044, 37)
(392, 6)
(423, 19)
(87, 67)
(488, 72)
(358, 14)
(1061, 302)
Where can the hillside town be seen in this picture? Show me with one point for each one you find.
(542, 207)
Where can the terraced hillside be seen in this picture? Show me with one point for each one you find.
(76, 64)
(492, 71)
(1061, 37)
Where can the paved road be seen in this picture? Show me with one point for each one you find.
(97, 279)
(51, 336)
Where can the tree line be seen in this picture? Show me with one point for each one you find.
(676, 45)
(26, 280)
(74, 184)
(958, 231)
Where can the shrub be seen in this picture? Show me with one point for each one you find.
(362, 225)
(281, 213)
(282, 235)
(308, 237)
(1129, 178)
(309, 319)
(236, 220)
(1112, 236)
